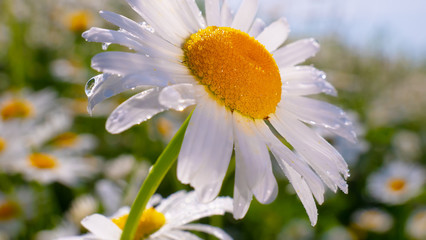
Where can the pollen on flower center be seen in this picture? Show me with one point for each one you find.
(9, 210)
(150, 222)
(397, 184)
(236, 68)
(16, 108)
(66, 139)
(2, 144)
(42, 161)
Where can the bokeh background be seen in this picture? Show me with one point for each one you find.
(373, 52)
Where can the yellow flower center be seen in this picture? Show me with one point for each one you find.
(149, 223)
(66, 139)
(42, 161)
(236, 68)
(396, 184)
(16, 108)
(79, 20)
(2, 144)
(9, 210)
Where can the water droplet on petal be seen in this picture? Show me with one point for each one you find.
(90, 85)
(105, 46)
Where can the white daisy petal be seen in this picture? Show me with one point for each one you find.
(95, 34)
(257, 27)
(196, 13)
(304, 193)
(102, 227)
(198, 124)
(213, 12)
(143, 32)
(323, 114)
(253, 151)
(242, 192)
(211, 150)
(107, 85)
(123, 63)
(178, 96)
(135, 110)
(170, 202)
(245, 15)
(267, 188)
(195, 210)
(274, 35)
(305, 80)
(190, 14)
(226, 15)
(215, 231)
(179, 235)
(164, 17)
(284, 155)
(211, 174)
(313, 148)
(296, 52)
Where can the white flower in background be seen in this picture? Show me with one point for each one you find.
(124, 177)
(374, 220)
(416, 224)
(396, 182)
(119, 167)
(12, 145)
(296, 230)
(231, 66)
(407, 145)
(48, 167)
(338, 233)
(81, 207)
(14, 209)
(164, 126)
(170, 219)
(25, 106)
(68, 70)
(65, 229)
(35, 115)
(74, 143)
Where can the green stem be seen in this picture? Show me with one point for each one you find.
(153, 180)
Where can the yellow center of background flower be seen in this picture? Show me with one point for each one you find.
(67, 139)
(2, 144)
(78, 21)
(236, 68)
(16, 108)
(42, 161)
(396, 184)
(9, 210)
(150, 222)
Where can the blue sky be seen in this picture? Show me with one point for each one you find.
(392, 26)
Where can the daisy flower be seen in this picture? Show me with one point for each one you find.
(25, 106)
(48, 167)
(396, 183)
(74, 143)
(416, 224)
(374, 219)
(243, 84)
(170, 219)
(338, 233)
(12, 144)
(34, 115)
(14, 209)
